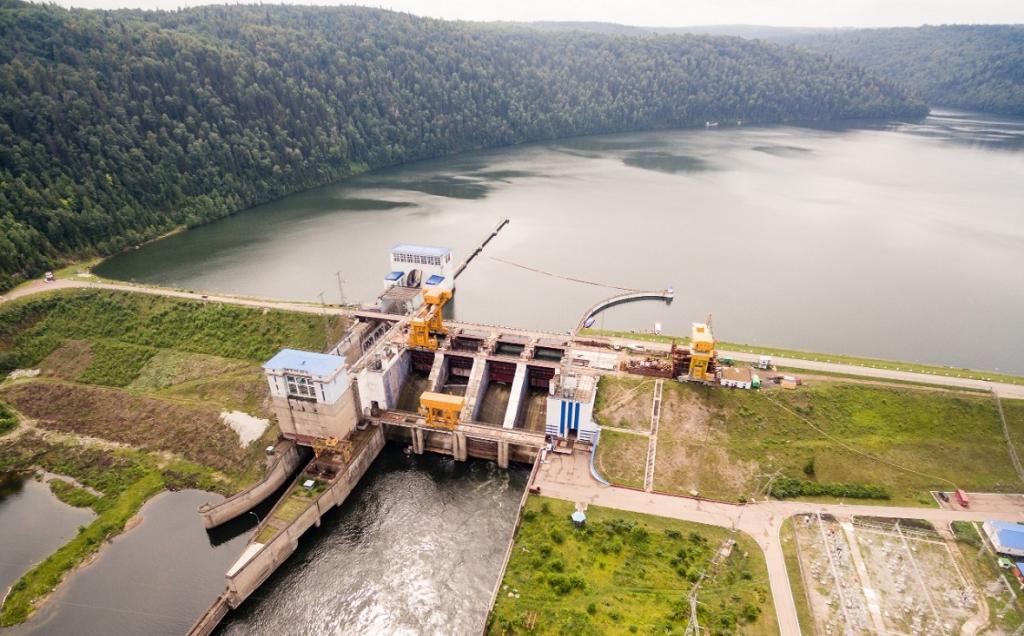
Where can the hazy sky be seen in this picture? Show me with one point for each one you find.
(675, 12)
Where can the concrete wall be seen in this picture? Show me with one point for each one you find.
(383, 386)
(289, 457)
(304, 420)
(515, 398)
(250, 576)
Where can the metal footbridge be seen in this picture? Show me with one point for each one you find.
(662, 294)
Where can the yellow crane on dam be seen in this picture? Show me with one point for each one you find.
(428, 320)
(441, 410)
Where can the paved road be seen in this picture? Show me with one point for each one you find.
(1010, 391)
(568, 477)
(1005, 390)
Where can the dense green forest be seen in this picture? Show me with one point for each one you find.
(118, 126)
(964, 66)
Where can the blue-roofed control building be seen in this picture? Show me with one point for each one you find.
(418, 265)
(1006, 537)
(311, 395)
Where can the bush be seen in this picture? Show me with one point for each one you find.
(592, 608)
(8, 420)
(809, 467)
(557, 537)
(787, 487)
(115, 363)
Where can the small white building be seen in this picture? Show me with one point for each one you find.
(735, 377)
(1006, 537)
(311, 395)
(420, 265)
(570, 407)
(380, 381)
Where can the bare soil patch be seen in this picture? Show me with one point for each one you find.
(192, 431)
(624, 402)
(691, 453)
(68, 361)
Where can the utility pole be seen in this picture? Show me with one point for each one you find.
(341, 288)
(327, 325)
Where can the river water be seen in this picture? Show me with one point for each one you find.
(33, 523)
(903, 241)
(157, 578)
(415, 549)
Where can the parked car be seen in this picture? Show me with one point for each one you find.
(49, 277)
(944, 497)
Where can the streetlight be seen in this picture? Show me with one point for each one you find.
(257, 517)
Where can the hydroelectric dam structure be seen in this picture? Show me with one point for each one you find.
(403, 374)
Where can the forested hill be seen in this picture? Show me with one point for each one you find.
(965, 66)
(117, 126)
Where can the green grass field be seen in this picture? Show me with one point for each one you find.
(727, 444)
(622, 458)
(626, 573)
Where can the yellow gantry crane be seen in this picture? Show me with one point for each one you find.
(702, 352)
(427, 320)
(440, 409)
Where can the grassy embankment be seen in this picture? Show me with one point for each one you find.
(127, 404)
(796, 354)
(626, 573)
(829, 438)
(796, 580)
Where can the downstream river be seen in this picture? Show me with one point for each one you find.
(902, 241)
(415, 549)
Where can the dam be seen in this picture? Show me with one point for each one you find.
(404, 375)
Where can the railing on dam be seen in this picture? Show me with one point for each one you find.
(663, 294)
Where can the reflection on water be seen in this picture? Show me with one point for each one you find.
(155, 579)
(666, 162)
(33, 523)
(415, 549)
(876, 239)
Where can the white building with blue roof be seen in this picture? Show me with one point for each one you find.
(311, 395)
(421, 265)
(1006, 537)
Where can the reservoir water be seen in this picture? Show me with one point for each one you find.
(903, 241)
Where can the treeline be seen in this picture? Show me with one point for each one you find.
(118, 126)
(975, 67)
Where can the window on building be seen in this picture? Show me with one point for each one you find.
(300, 386)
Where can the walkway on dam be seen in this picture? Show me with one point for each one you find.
(568, 477)
(1003, 389)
